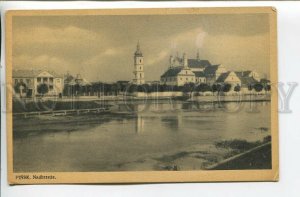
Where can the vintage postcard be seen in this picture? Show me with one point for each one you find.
(142, 95)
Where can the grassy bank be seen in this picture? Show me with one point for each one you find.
(49, 105)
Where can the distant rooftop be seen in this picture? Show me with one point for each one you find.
(31, 73)
(172, 72)
(197, 63)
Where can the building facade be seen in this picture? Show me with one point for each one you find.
(27, 83)
(229, 78)
(139, 75)
(183, 70)
(212, 73)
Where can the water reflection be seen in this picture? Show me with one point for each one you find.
(101, 143)
(139, 124)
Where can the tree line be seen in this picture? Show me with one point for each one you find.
(100, 88)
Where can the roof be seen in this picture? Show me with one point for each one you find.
(196, 63)
(247, 80)
(82, 82)
(31, 73)
(172, 72)
(199, 74)
(243, 73)
(263, 80)
(222, 77)
(211, 69)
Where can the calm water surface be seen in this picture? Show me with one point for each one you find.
(155, 129)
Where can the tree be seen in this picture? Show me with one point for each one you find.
(250, 87)
(188, 87)
(42, 89)
(203, 87)
(267, 87)
(237, 88)
(216, 88)
(226, 87)
(20, 88)
(258, 87)
(76, 88)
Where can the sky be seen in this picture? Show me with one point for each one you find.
(101, 48)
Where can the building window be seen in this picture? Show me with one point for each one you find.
(187, 79)
(180, 78)
(45, 79)
(140, 61)
(51, 87)
(51, 80)
(185, 72)
(140, 68)
(39, 79)
(140, 75)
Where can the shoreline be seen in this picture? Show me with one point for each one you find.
(106, 105)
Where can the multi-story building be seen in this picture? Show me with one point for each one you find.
(178, 75)
(184, 70)
(229, 78)
(27, 82)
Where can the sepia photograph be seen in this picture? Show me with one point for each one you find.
(142, 95)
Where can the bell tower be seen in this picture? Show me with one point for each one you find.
(138, 66)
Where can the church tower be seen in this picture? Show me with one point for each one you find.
(138, 66)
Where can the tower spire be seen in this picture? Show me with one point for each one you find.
(138, 66)
(138, 45)
(138, 51)
(198, 54)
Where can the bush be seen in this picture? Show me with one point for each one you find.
(258, 87)
(267, 139)
(42, 89)
(226, 87)
(236, 144)
(203, 87)
(237, 88)
(216, 87)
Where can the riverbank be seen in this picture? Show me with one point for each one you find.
(250, 155)
(259, 157)
(21, 106)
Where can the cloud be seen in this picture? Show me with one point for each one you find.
(102, 47)
(194, 37)
(41, 62)
(155, 58)
(110, 52)
(47, 35)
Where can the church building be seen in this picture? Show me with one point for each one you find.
(139, 76)
(183, 70)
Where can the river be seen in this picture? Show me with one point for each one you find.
(132, 142)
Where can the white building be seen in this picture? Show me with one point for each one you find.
(183, 70)
(27, 82)
(229, 78)
(248, 74)
(178, 75)
(139, 75)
